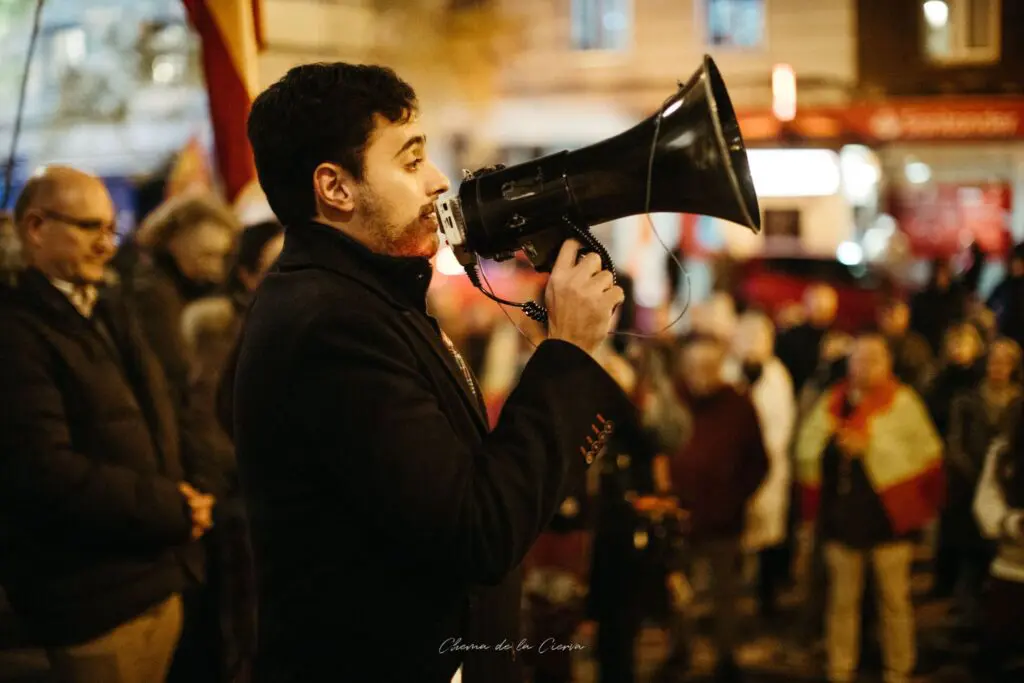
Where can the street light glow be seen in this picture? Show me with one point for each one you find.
(936, 13)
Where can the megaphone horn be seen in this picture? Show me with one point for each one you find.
(688, 157)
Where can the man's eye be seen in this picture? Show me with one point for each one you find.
(413, 165)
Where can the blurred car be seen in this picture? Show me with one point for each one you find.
(774, 283)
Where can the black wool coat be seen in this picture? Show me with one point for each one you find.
(388, 522)
(93, 529)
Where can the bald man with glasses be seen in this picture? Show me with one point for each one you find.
(96, 519)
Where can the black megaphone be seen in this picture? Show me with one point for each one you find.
(688, 157)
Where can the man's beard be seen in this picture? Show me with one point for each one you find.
(394, 240)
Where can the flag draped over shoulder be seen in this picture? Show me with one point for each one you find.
(903, 459)
(231, 36)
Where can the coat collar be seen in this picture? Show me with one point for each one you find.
(82, 298)
(403, 281)
(35, 290)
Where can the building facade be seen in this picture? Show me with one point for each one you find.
(946, 79)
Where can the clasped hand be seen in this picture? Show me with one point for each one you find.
(201, 505)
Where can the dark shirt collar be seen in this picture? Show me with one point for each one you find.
(404, 280)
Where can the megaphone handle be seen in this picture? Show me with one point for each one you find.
(538, 312)
(591, 244)
(532, 309)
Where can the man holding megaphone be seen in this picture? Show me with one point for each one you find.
(388, 520)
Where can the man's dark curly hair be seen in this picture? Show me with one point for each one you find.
(318, 113)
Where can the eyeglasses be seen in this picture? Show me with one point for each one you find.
(87, 224)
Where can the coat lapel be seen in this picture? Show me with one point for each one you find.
(469, 388)
(37, 293)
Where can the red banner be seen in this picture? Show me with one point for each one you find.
(230, 34)
(942, 218)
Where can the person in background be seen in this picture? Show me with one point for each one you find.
(715, 317)
(798, 347)
(256, 252)
(960, 370)
(961, 367)
(211, 325)
(1007, 299)
(210, 328)
(714, 476)
(999, 510)
(979, 418)
(870, 463)
(574, 552)
(555, 571)
(754, 368)
(984, 320)
(630, 557)
(939, 305)
(911, 354)
(790, 315)
(188, 241)
(95, 511)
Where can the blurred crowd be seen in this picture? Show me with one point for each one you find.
(774, 457)
(788, 458)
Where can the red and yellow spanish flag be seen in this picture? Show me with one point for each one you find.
(902, 457)
(231, 35)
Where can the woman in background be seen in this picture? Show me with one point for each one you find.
(755, 368)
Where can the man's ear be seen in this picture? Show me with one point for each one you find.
(29, 231)
(334, 187)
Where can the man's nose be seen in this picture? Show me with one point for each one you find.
(440, 183)
(106, 243)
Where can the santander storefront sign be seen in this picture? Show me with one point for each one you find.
(949, 119)
(923, 122)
